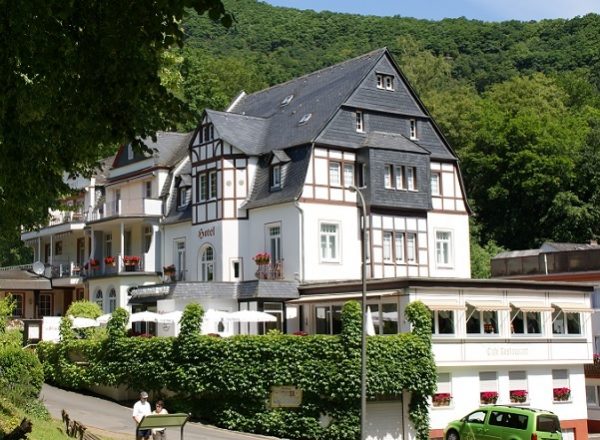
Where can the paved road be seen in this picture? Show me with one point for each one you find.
(112, 417)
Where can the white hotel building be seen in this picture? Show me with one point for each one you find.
(271, 174)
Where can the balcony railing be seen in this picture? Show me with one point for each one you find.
(118, 266)
(270, 271)
(127, 208)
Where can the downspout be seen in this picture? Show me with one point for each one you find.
(301, 237)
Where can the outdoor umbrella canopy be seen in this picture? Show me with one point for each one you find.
(81, 322)
(144, 316)
(174, 316)
(103, 319)
(251, 316)
(215, 315)
(370, 326)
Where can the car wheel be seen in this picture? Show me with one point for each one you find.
(452, 435)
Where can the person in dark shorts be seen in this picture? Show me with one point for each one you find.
(140, 409)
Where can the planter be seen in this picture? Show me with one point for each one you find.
(130, 268)
(441, 403)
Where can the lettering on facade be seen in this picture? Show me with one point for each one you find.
(507, 352)
(210, 232)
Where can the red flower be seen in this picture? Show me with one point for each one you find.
(561, 393)
(488, 396)
(262, 258)
(109, 260)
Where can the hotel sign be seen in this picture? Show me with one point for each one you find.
(207, 232)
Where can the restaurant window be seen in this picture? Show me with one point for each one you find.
(19, 302)
(275, 309)
(517, 384)
(45, 304)
(481, 321)
(525, 322)
(566, 323)
(328, 320)
(207, 264)
(488, 383)
(442, 322)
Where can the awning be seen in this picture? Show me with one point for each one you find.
(573, 307)
(23, 280)
(340, 297)
(441, 306)
(531, 307)
(488, 306)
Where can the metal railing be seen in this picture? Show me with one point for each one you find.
(270, 271)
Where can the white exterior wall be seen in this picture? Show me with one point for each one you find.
(348, 265)
(171, 234)
(121, 284)
(458, 225)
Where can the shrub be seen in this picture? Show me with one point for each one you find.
(85, 309)
(21, 376)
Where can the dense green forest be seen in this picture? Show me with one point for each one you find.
(518, 101)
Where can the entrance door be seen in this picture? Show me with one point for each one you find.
(384, 420)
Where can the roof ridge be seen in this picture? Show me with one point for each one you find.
(227, 114)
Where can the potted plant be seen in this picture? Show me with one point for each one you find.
(109, 261)
(441, 399)
(518, 396)
(262, 258)
(561, 394)
(94, 263)
(169, 270)
(488, 397)
(131, 260)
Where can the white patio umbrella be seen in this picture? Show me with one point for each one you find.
(174, 316)
(215, 315)
(81, 322)
(103, 319)
(370, 327)
(144, 316)
(251, 316)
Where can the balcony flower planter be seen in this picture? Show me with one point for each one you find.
(92, 263)
(518, 396)
(130, 262)
(262, 258)
(561, 394)
(488, 397)
(109, 261)
(441, 399)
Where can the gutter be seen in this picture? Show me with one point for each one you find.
(301, 237)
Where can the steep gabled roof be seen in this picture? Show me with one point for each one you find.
(168, 150)
(392, 141)
(246, 133)
(319, 94)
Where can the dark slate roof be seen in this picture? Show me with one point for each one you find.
(253, 289)
(169, 149)
(174, 214)
(244, 132)
(265, 289)
(319, 93)
(292, 179)
(392, 141)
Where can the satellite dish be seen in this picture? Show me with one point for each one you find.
(38, 267)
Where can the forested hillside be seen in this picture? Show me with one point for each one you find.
(518, 101)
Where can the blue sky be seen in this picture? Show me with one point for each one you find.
(486, 10)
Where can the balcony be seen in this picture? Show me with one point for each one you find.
(116, 265)
(62, 217)
(142, 207)
(270, 271)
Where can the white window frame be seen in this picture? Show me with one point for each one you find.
(413, 129)
(148, 189)
(558, 381)
(380, 81)
(360, 121)
(399, 177)
(203, 187)
(399, 244)
(45, 304)
(443, 248)
(19, 302)
(348, 174)
(207, 266)
(212, 185)
(387, 246)
(182, 196)
(411, 178)
(435, 184)
(388, 82)
(276, 176)
(274, 241)
(488, 381)
(147, 234)
(436, 317)
(99, 298)
(388, 176)
(560, 323)
(411, 247)
(335, 177)
(329, 242)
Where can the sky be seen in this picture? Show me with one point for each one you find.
(486, 10)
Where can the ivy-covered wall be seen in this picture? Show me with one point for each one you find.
(227, 381)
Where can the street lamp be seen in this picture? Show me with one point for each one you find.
(363, 343)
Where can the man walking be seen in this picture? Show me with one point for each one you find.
(141, 409)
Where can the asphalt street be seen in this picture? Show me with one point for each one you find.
(111, 417)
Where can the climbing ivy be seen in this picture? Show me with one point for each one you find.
(227, 381)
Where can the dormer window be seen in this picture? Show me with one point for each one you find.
(305, 119)
(182, 196)
(209, 133)
(385, 82)
(413, 129)
(129, 152)
(276, 176)
(287, 100)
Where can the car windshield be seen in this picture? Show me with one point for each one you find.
(548, 423)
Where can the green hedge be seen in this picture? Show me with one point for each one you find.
(227, 381)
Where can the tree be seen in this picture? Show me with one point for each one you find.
(76, 80)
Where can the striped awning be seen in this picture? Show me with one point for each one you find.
(531, 307)
(488, 306)
(573, 307)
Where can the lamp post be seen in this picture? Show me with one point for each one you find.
(363, 344)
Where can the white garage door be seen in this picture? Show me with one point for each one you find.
(384, 420)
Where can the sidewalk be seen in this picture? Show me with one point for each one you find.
(113, 420)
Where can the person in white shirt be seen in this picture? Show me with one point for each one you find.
(141, 409)
(159, 433)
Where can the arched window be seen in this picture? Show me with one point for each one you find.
(100, 298)
(207, 265)
(112, 300)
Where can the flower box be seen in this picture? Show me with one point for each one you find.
(131, 260)
(561, 394)
(262, 258)
(518, 396)
(488, 397)
(441, 399)
(92, 263)
(109, 261)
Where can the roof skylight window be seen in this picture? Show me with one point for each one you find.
(305, 119)
(287, 100)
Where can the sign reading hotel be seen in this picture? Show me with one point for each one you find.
(285, 397)
(207, 232)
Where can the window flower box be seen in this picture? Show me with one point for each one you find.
(109, 261)
(488, 397)
(518, 396)
(262, 258)
(130, 262)
(561, 394)
(441, 399)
